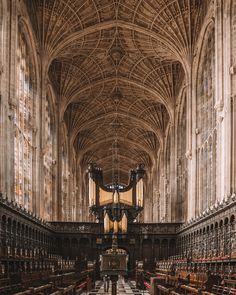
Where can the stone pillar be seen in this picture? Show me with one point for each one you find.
(148, 200)
(155, 192)
(78, 191)
(191, 153)
(70, 182)
(172, 187)
(222, 96)
(232, 5)
(11, 99)
(161, 186)
(3, 36)
(55, 166)
(59, 165)
(40, 143)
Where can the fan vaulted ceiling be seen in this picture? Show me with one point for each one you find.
(117, 67)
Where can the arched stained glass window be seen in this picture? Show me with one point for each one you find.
(48, 161)
(206, 124)
(24, 126)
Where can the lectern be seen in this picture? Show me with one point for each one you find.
(114, 263)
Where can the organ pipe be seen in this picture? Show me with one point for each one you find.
(116, 197)
(116, 226)
(106, 223)
(139, 193)
(92, 192)
(124, 223)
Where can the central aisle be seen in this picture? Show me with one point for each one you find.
(123, 288)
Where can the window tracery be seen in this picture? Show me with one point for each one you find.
(24, 125)
(48, 160)
(206, 124)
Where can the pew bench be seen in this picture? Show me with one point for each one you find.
(189, 290)
(45, 289)
(69, 290)
(230, 283)
(161, 290)
(220, 290)
(27, 292)
(56, 293)
(10, 289)
(4, 282)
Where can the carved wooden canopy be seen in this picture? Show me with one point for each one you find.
(117, 67)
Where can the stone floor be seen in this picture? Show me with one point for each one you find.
(123, 288)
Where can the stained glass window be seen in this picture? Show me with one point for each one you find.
(24, 130)
(206, 124)
(48, 161)
(64, 190)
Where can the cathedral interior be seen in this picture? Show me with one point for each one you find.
(117, 147)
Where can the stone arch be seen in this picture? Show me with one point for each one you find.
(24, 27)
(28, 75)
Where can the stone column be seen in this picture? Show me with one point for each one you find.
(55, 167)
(59, 165)
(3, 36)
(222, 97)
(172, 187)
(232, 30)
(191, 152)
(148, 200)
(78, 191)
(161, 186)
(11, 98)
(155, 192)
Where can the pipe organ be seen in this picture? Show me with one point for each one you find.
(116, 205)
(92, 192)
(139, 192)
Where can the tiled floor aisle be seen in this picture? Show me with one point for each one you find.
(123, 288)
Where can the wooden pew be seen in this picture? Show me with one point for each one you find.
(27, 292)
(232, 291)
(10, 289)
(56, 293)
(161, 290)
(29, 279)
(56, 280)
(4, 282)
(219, 290)
(45, 289)
(230, 283)
(172, 281)
(70, 290)
(189, 290)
